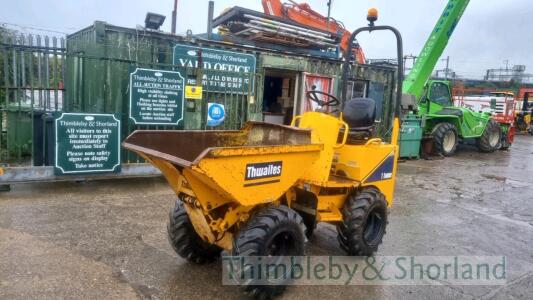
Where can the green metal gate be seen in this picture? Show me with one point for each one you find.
(32, 69)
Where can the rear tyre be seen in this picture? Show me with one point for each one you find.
(445, 138)
(184, 239)
(275, 231)
(364, 223)
(490, 140)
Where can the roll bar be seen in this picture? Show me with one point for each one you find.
(347, 56)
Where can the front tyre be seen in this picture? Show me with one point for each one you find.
(490, 140)
(364, 223)
(445, 138)
(276, 231)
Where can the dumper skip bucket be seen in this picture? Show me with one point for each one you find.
(254, 165)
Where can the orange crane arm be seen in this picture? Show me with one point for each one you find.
(273, 7)
(303, 14)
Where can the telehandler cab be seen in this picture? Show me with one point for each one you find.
(261, 190)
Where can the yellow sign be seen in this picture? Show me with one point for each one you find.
(193, 92)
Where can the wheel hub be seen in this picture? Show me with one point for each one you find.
(494, 138)
(282, 244)
(449, 141)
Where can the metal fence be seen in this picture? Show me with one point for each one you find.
(39, 77)
(32, 69)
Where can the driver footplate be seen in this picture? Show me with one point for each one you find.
(356, 137)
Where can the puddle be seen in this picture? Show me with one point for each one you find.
(494, 177)
(516, 183)
(511, 182)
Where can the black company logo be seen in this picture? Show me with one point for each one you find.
(263, 170)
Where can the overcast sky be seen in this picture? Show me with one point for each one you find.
(490, 32)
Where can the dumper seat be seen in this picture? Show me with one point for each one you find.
(360, 115)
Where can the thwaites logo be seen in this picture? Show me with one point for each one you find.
(263, 170)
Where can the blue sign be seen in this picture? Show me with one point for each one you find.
(215, 114)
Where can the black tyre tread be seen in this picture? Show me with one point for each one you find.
(251, 237)
(483, 142)
(248, 240)
(439, 131)
(350, 231)
(184, 239)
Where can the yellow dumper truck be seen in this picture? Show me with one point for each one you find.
(260, 190)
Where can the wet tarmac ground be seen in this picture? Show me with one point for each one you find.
(108, 239)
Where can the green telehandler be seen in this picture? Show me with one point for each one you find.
(432, 102)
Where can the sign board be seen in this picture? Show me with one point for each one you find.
(156, 97)
(87, 143)
(193, 92)
(215, 114)
(224, 71)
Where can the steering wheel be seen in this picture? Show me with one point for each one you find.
(332, 101)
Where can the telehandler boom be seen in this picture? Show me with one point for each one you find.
(426, 61)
